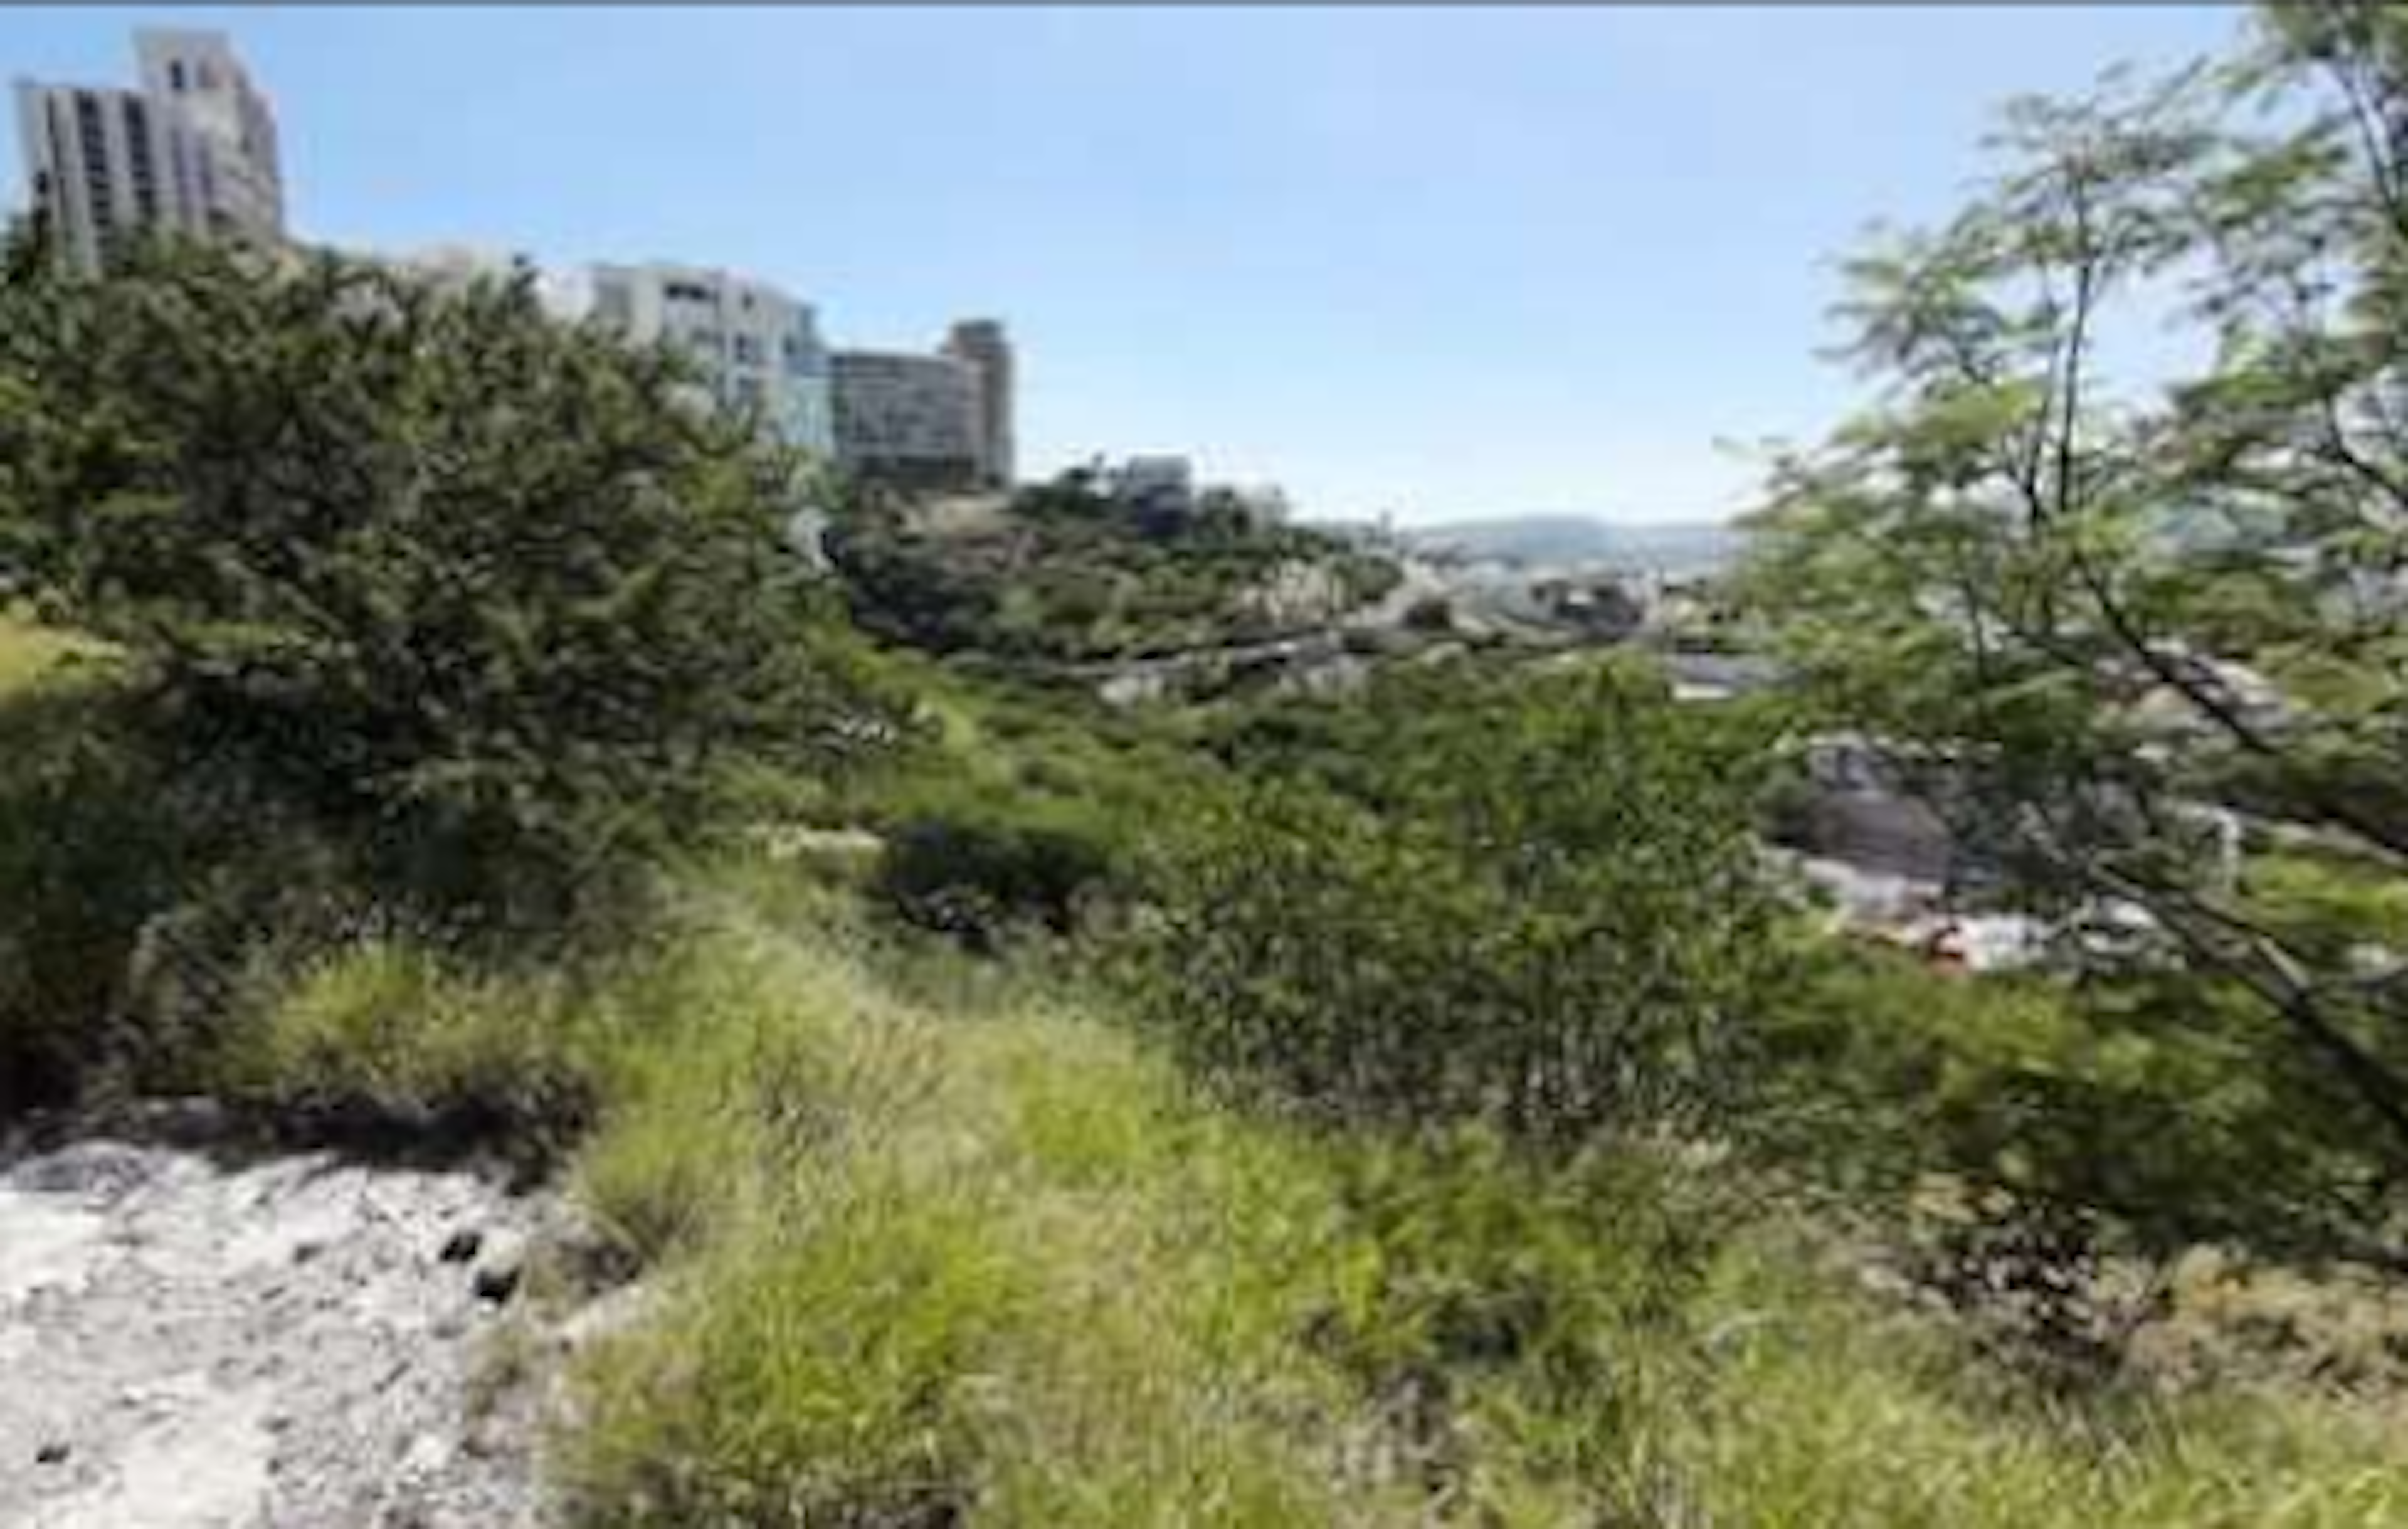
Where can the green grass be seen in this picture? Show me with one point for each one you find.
(921, 1260)
(1823, 1410)
(956, 1249)
(386, 1029)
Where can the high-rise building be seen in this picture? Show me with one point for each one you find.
(981, 344)
(194, 152)
(227, 151)
(756, 347)
(909, 419)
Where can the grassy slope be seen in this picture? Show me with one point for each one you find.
(935, 1246)
(927, 1246)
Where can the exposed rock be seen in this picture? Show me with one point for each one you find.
(499, 1268)
(188, 1343)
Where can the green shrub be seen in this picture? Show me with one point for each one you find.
(136, 897)
(480, 591)
(2159, 1109)
(90, 850)
(1010, 811)
(976, 865)
(1549, 915)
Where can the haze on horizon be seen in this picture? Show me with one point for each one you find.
(1440, 263)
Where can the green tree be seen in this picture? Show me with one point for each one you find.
(486, 593)
(2121, 634)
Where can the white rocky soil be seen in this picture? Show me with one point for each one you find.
(190, 1341)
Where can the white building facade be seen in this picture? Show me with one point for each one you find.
(224, 149)
(194, 152)
(757, 348)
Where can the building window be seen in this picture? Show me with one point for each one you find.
(95, 146)
(175, 76)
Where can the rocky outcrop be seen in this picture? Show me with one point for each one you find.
(192, 1342)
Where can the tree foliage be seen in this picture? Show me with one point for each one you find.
(2134, 630)
(482, 589)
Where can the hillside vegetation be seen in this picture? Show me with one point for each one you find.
(931, 1237)
(930, 1242)
(1425, 1104)
(1064, 573)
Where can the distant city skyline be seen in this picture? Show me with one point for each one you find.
(1445, 264)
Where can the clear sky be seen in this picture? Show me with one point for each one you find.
(1439, 262)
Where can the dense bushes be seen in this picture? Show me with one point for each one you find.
(1008, 811)
(133, 894)
(479, 592)
(90, 849)
(424, 614)
(2158, 1111)
(1548, 914)
(975, 867)
(1353, 926)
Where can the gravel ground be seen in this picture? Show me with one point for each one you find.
(296, 1340)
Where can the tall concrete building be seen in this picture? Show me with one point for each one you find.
(981, 344)
(227, 153)
(755, 346)
(194, 152)
(909, 419)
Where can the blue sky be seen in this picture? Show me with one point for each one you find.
(1437, 262)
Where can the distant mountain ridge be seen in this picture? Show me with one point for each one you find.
(1671, 546)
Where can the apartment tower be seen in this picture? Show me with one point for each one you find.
(192, 152)
(756, 347)
(981, 344)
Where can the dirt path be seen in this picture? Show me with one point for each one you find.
(298, 1341)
